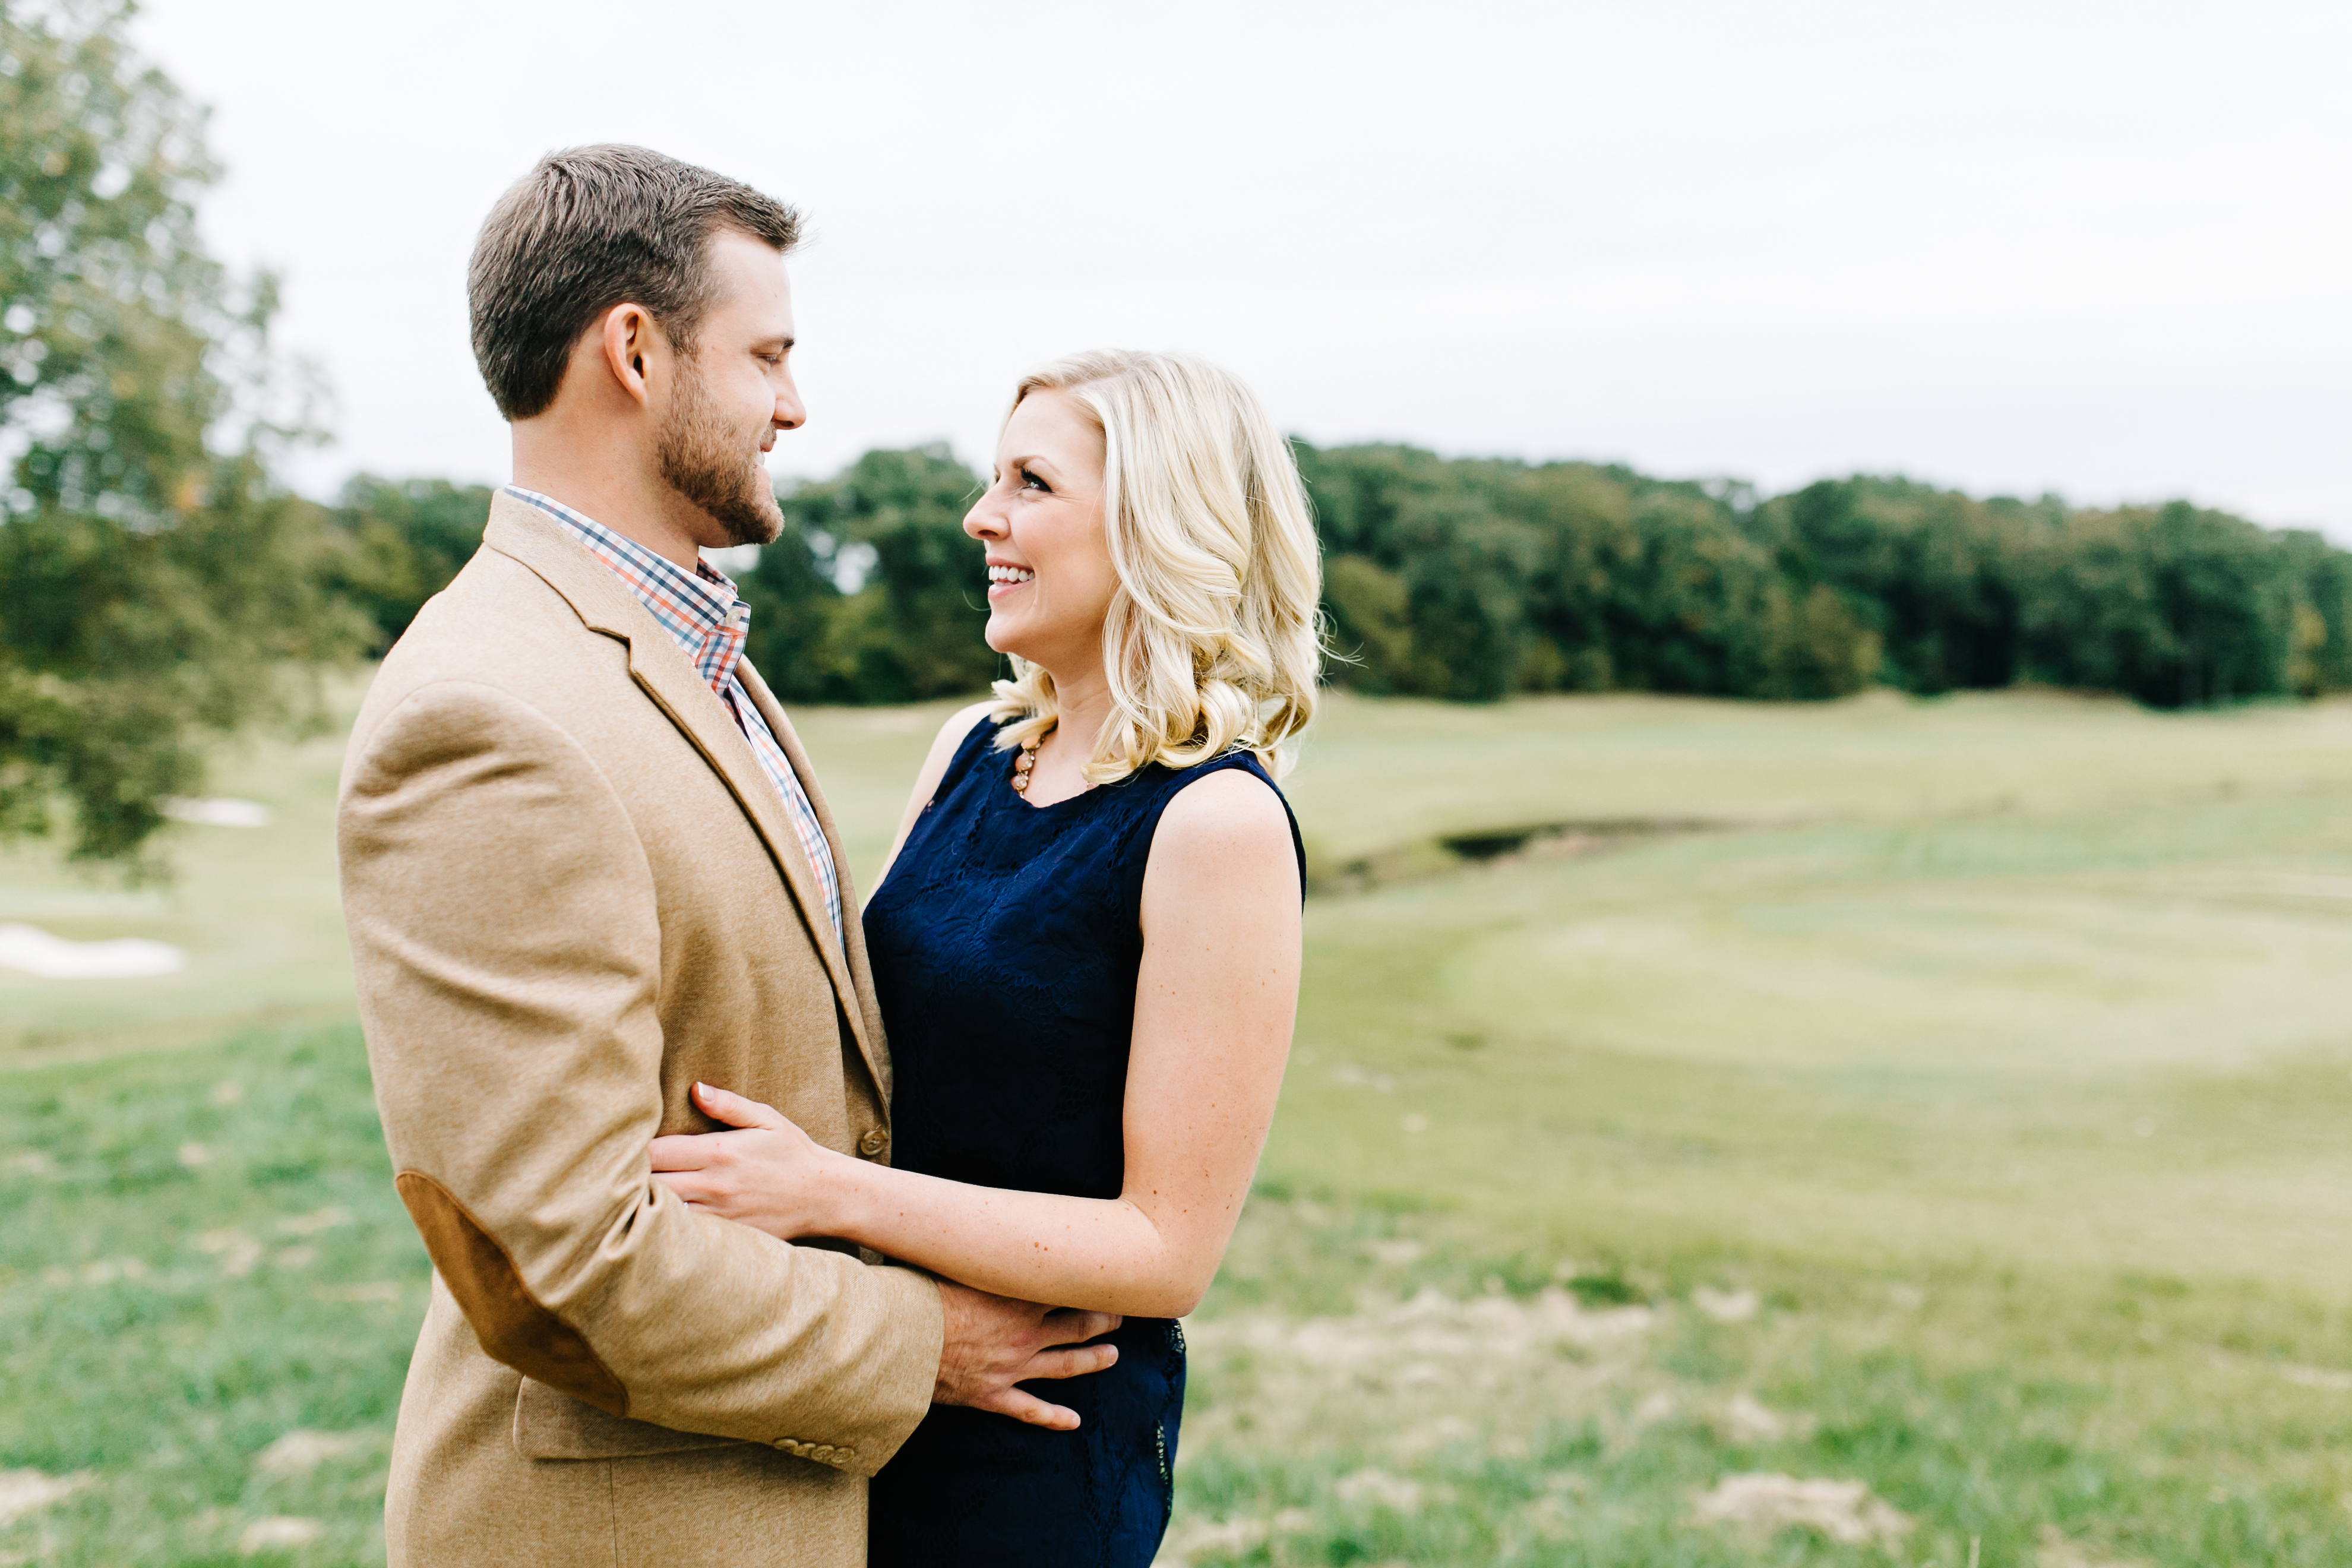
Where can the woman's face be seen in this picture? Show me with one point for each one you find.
(1050, 580)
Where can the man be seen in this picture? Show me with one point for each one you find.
(584, 866)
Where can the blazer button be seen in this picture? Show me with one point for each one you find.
(874, 1142)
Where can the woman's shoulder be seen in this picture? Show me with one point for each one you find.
(965, 731)
(963, 725)
(1228, 793)
(1224, 813)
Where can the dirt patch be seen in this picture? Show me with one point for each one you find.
(1846, 1512)
(1422, 1373)
(299, 1452)
(26, 1492)
(2053, 1550)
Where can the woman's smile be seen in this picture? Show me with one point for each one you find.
(1041, 516)
(1005, 579)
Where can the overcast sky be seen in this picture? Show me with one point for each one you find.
(2103, 249)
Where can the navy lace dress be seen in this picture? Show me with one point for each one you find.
(1005, 943)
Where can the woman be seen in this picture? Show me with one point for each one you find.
(1086, 946)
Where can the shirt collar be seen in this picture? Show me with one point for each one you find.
(699, 609)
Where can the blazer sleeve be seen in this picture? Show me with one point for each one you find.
(508, 949)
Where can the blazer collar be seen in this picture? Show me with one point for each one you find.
(661, 668)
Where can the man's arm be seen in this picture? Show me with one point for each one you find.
(508, 949)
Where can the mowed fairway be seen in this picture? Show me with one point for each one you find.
(1932, 1112)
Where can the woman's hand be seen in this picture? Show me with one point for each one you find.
(768, 1174)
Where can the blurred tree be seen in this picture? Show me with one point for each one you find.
(2320, 658)
(2173, 604)
(398, 543)
(1472, 579)
(1432, 601)
(1931, 571)
(913, 628)
(155, 583)
(797, 615)
(1369, 611)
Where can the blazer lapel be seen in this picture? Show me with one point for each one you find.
(865, 1015)
(663, 672)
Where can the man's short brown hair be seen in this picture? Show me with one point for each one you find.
(590, 228)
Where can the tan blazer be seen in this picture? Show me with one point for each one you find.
(571, 892)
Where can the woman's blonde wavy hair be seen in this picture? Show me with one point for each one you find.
(1212, 642)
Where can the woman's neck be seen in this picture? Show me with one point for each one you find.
(1080, 713)
(1081, 708)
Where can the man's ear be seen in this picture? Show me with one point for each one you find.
(629, 336)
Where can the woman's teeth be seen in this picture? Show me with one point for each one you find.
(1011, 574)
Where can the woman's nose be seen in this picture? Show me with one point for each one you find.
(984, 521)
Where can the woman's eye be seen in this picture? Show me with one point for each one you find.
(1031, 481)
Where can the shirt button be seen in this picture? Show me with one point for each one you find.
(874, 1142)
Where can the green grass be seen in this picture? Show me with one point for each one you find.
(2025, 1130)
(1963, 1117)
(202, 1252)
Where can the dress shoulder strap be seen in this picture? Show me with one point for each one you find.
(1238, 761)
(967, 753)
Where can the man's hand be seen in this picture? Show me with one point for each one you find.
(993, 1342)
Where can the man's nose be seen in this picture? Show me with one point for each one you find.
(790, 415)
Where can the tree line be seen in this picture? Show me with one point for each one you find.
(1474, 579)
(161, 588)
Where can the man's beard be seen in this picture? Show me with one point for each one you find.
(704, 460)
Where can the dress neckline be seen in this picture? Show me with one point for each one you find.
(1026, 804)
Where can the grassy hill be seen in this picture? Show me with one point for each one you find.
(1937, 1105)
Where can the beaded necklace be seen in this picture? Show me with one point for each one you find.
(1026, 760)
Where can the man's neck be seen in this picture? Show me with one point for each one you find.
(619, 495)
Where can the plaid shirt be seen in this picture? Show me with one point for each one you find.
(700, 611)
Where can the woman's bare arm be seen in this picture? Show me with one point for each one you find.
(1215, 1001)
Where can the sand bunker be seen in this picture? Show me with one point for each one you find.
(218, 813)
(32, 950)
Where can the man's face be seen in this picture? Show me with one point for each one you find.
(734, 393)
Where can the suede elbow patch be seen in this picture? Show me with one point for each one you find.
(508, 1321)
